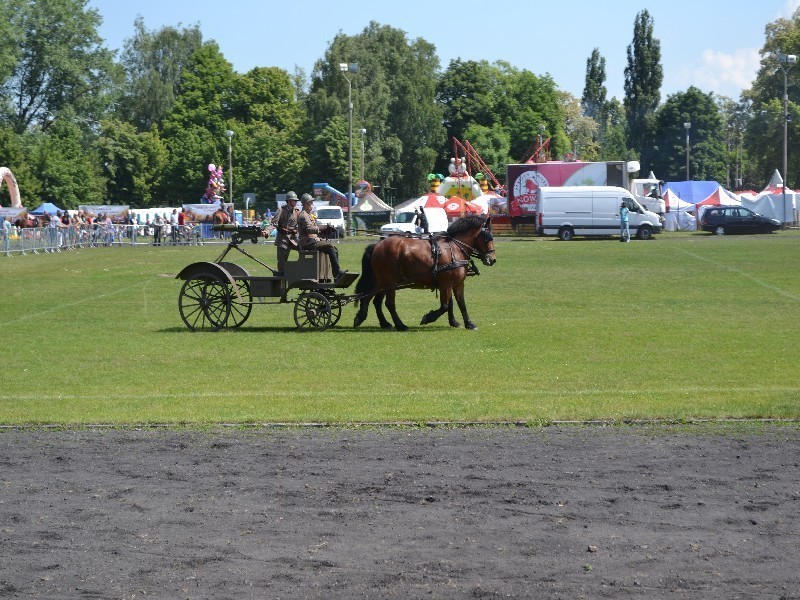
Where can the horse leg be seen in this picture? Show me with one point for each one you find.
(378, 302)
(458, 292)
(451, 316)
(445, 298)
(390, 304)
(363, 310)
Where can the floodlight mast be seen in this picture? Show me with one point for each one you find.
(346, 70)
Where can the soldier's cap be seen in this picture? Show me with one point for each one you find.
(291, 196)
(305, 198)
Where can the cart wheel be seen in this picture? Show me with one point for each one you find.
(312, 311)
(240, 311)
(204, 303)
(336, 305)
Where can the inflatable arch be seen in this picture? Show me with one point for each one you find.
(7, 176)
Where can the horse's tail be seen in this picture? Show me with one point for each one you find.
(367, 280)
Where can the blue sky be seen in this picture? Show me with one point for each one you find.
(711, 44)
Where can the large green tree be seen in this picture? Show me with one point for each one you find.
(594, 89)
(529, 105)
(153, 63)
(270, 153)
(194, 131)
(61, 64)
(763, 135)
(67, 165)
(393, 99)
(643, 78)
(706, 135)
(133, 162)
(466, 93)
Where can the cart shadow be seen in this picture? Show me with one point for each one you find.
(291, 329)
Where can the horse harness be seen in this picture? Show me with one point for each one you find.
(469, 251)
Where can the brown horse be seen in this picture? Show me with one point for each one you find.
(441, 262)
(220, 217)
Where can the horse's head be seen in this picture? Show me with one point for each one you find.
(484, 243)
(476, 232)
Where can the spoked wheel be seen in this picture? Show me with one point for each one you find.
(313, 311)
(336, 306)
(240, 311)
(204, 303)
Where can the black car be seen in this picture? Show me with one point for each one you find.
(735, 219)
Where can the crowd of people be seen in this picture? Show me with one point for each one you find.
(64, 231)
(292, 228)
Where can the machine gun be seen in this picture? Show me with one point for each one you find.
(239, 233)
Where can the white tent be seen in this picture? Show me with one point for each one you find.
(772, 202)
(680, 214)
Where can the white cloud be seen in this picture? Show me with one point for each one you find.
(722, 73)
(789, 8)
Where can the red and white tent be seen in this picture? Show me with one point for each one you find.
(772, 202)
(457, 207)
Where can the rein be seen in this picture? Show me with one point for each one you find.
(468, 250)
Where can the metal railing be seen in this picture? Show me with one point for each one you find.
(35, 240)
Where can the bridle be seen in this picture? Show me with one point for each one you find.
(486, 236)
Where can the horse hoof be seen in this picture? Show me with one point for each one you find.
(386, 325)
(472, 327)
(455, 324)
(401, 327)
(357, 322)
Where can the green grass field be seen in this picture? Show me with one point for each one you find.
(686, 326)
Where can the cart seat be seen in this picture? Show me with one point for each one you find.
(310, 264)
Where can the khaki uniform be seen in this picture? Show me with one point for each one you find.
(309, 240)
(285, 221)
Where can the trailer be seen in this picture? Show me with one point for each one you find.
(524, 181)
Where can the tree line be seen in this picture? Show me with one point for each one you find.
(80, 125)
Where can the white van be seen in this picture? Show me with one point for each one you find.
(591, 210)
(404, 222)
(331, 215)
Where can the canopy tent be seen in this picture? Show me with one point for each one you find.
(371, 211)
(369, 203)
(488, 201)
(771, 201)
(45, 209)
(457, 207)
(680, 214)
(706, 193)
(700, 194)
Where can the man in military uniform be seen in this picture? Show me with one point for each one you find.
(285, 221)
(309, 235)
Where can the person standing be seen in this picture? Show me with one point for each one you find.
(182, 225)
(624, 228)
(421, 220)
(309, 235)
(157, 225)
(6, 233)
(285, 222)
(173, 223)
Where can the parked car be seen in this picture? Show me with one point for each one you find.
(332, 215)
(736, 219)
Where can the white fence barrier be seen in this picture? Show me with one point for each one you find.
(35, 240)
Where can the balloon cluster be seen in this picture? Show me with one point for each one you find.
(216, 186)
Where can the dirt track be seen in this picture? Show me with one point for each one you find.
(559, 512)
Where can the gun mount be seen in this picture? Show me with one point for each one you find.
(240, 233)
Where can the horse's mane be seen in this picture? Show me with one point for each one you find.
(465, 225)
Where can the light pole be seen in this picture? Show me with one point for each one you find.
(229, 133)
(363, 133)
(687, 126)
(785, 62)
(347, 70)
